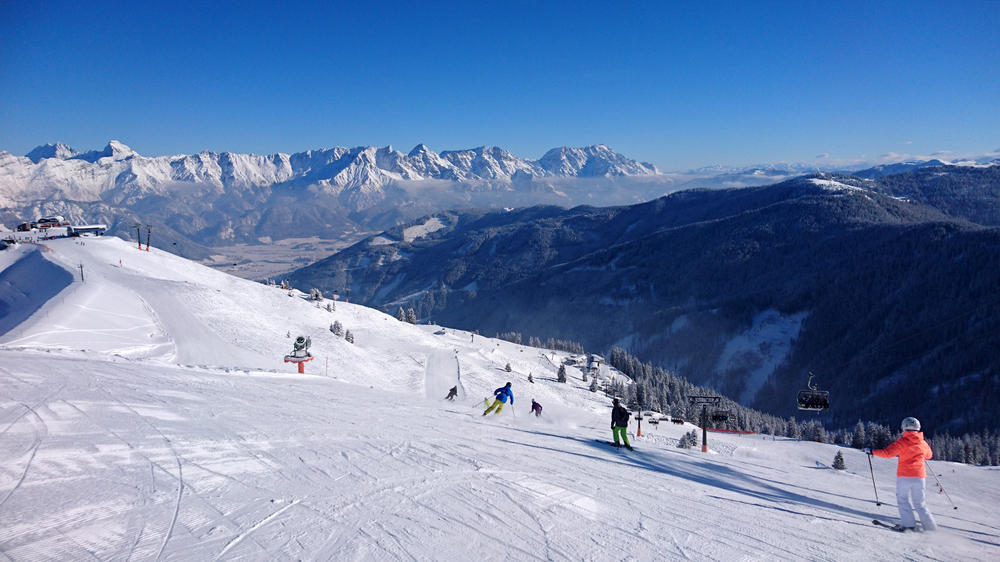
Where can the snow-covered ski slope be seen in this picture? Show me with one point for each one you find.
(146, 414)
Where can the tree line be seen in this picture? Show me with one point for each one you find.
(654, 388)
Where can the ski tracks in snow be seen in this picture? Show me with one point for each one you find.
(244, 534)
(40, 431)
(179, 476)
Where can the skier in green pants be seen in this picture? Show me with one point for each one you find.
(619, 424)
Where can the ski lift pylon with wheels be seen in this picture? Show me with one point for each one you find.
(813, 400)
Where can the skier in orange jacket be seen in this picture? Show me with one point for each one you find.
(912, 450)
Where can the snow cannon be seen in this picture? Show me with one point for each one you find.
(300, 353)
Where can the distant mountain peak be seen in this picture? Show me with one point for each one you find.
(418, 150)
(596, 160)
(57, 150)
(119, 148)
(116, 150)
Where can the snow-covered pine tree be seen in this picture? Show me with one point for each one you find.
(688, 440)
(838, 461)
(401, 315)
(507, 368)
(593, 385)
(512, 337)
(879, 436)
(315, 294)
(632, 396)
(349, 337)
(337, 329)
(561, 377)
(330, 307)
(584, 375)
(794, 431)
(411, 316)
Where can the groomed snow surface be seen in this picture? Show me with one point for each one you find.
(146, 414)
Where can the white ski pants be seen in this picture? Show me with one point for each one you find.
(909, 488)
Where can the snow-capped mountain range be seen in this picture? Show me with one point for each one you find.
(57, 170)
(206, 205)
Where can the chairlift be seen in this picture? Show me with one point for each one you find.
(813, 400)
(719, 416)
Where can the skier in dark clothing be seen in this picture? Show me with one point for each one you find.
(619, 423)
(536, 407)
(452, 394)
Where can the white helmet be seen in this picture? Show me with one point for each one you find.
(910, 424)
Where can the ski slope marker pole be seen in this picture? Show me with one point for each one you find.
(940, 487)
(873, 479)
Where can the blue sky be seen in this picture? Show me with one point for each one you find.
(681, 85)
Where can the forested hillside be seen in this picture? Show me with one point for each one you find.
(891, 303)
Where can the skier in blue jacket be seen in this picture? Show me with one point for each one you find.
(501, 395)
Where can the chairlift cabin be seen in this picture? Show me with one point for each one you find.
(813, 400)
(720, 416)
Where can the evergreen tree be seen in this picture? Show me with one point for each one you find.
(349, 337)
(858, 438)
(688, 440)
(337, 328)
(401, 315)
(315, 294)
(585, 375)
(794, 431)
(411, 316)
(561, 377)
(631, 396)
(838, 461)
(593, 385)
(879, 436)
(507, 368)
(330, 306)
(512, 337)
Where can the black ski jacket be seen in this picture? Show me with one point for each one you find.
(619, 416)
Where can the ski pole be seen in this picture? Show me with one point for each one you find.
(873, 479)
(940, 487)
